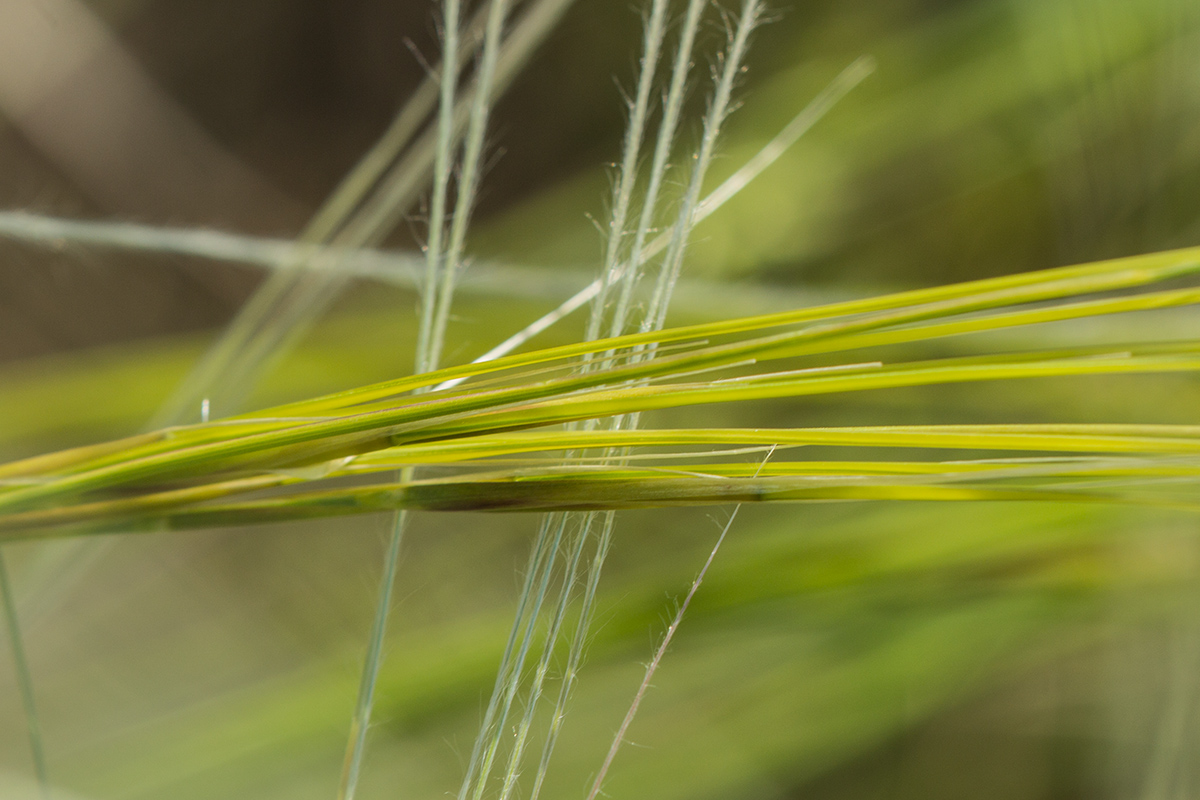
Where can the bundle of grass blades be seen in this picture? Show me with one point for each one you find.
(494, 428)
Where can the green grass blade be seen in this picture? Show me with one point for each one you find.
(16, 642)
(1170, 480)
(365, 701)
(907, 308)
(468, 415)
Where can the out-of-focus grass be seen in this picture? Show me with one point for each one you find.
(862, 623)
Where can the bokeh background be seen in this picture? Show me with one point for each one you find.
(837, 651)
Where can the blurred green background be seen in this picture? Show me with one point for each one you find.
(837, 651)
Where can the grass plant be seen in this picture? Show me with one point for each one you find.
(559, 429)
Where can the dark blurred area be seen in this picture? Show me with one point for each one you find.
(240, 116)
(995, 137)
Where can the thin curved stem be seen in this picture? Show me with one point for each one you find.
(652, 667)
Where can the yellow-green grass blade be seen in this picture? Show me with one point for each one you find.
(999, 321)
(528, 496)
(280, 438)
(848, 334)
(1180, 357)
(575, 492)
(600, 487)
(96, 456)
(468, 415)
(78, 459)
(918, 304)
(1090, 438)
(829, 339)
(1111, 439)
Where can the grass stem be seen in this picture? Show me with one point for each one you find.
(356, 746)
(652, 667)
(24, 675)
(643, 251)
